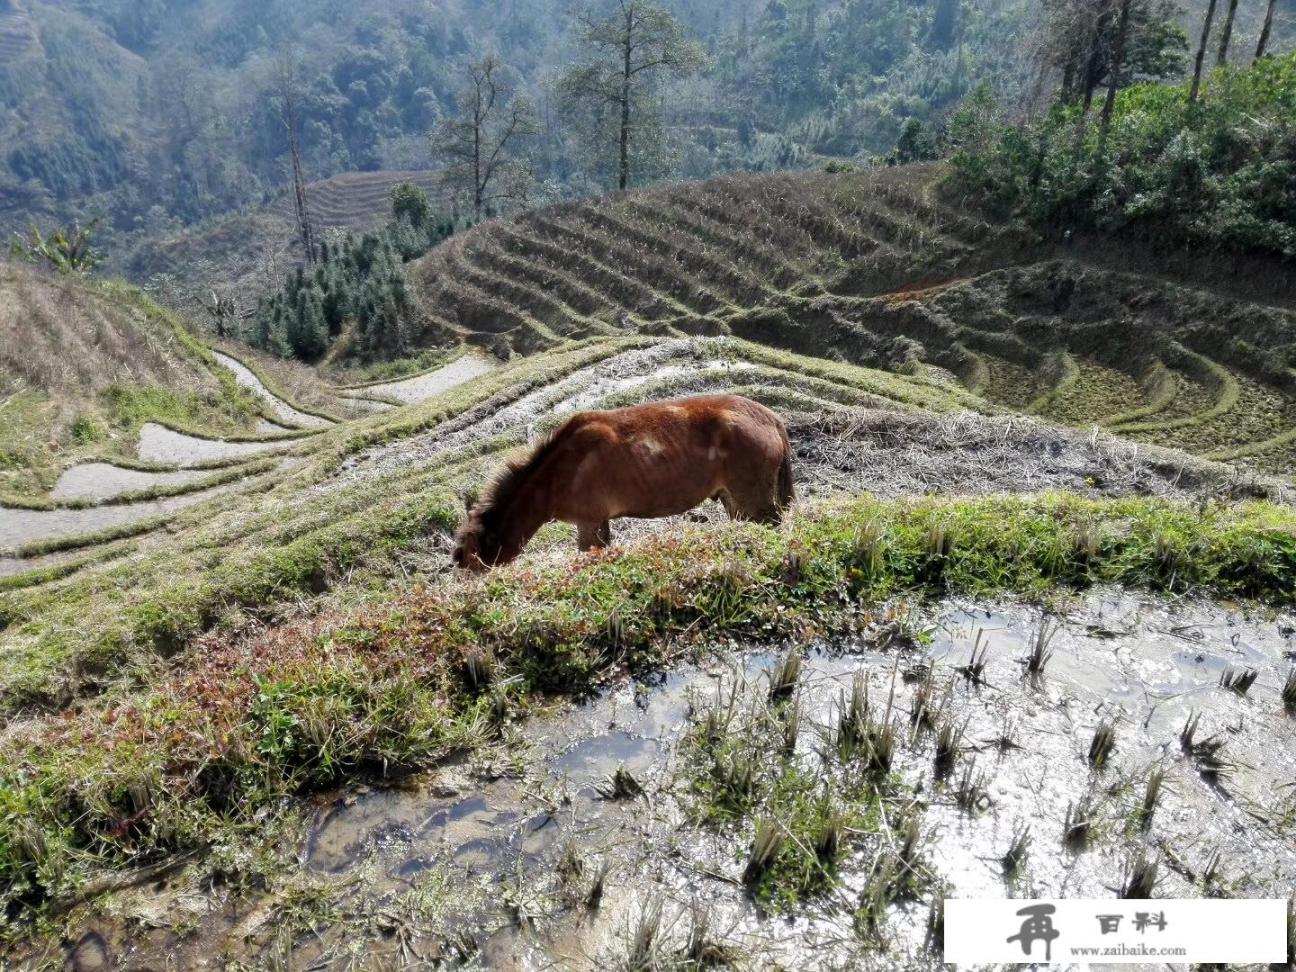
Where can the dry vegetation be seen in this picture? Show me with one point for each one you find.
(56, 338)
(877, 269)
(83, 365)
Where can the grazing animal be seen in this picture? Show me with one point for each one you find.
(651, 460)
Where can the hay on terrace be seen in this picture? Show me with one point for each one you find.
(895, 454)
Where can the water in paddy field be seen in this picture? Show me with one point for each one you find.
(159, 444)
(281, 409)
(21, 527)
(12, 566)
(103, 480)
(458, 372)
(471, 862)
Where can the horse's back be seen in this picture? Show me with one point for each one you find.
(692, 410)
(665, 457)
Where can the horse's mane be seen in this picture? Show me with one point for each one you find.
(504, 487)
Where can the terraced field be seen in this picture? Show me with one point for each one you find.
(197, 639)
(820, 295)
(15, 31)
(357, 200)
(877, 270)
(232, 253)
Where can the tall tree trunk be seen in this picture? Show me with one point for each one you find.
(1227, 36)
(478, 188)
(299, 195)
(1113, 83)
(1265, 31)
(624, 176)
(287, 96)
(1201, 52)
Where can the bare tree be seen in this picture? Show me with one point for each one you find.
(477, 142)
(1227, 35)
(636, 41)
(1118, 65)
(224, 312)
(1266, 30)
(1201, 51)
(286, 91)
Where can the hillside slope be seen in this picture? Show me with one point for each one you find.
(248, 251)
(879, 269)
(84, 363)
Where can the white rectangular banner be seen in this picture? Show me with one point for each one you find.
(1107, 931)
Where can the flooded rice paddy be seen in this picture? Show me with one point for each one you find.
(103, 480)
(421, 387)
(13, 566)
(586, 838)
(282, 411)
(165, 446)
(21, 527)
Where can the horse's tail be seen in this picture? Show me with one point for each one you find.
(786, 490)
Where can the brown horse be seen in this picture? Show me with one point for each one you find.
(650, 460)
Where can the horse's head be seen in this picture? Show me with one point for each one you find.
(479, 545)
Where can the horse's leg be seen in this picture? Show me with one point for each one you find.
(589, 535)
(755, 501)
(727, 501)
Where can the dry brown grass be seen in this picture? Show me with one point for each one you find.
(60, 337)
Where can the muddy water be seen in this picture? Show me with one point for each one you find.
(159, 444)
(463, 369)
(102, 480)
(282, 411)
(467, 859)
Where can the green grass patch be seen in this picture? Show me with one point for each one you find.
(147, 771)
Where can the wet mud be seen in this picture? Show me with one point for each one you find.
(494, 861)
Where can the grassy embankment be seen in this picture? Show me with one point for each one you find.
(70, 402)
(147, 772)
(279, 537)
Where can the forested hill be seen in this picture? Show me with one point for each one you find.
(157, 113)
